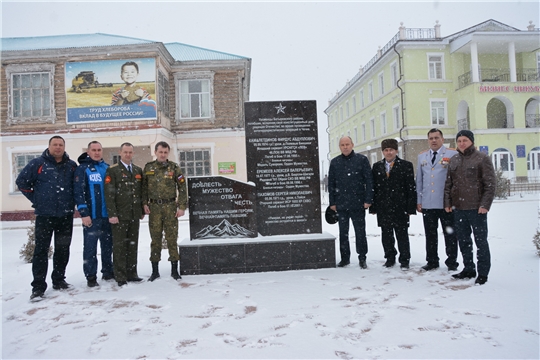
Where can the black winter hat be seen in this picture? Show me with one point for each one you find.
(389, 143)
(331, 216)
(467, 133)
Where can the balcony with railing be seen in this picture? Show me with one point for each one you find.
(498, 75)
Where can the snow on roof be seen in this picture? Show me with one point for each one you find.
(184, 52)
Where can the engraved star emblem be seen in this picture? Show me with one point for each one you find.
(280, 108)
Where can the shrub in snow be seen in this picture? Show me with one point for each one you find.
(503, 185)
(27, 251)
(536, 242)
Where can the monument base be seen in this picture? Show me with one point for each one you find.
(268, 253)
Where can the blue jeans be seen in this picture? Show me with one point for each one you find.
(465, 222)
(100, 230)
(46, 226)
(358, 218)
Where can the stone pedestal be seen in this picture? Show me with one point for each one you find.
(269, 253)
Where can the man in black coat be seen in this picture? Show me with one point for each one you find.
(350, 190)
(394, 201)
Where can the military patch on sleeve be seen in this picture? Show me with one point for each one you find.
(151, 172)
(107, 179)
(181, 178)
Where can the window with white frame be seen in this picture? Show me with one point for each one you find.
(31, 93)
(364, 131)
(370, 91)
(381, 84)
(347, 109)
(384, 128)
(340, 114)
(20, 160)
(372, 123)
(394, 74)
(362, 105)
(373, 158)
(195, 162)
(354, 104)
(436, 66)
(438, 111)
(195, 96)
(163, 94)
(395, 114)
(355, 135)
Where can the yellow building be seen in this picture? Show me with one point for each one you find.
(484, 78)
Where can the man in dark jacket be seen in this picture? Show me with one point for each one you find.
(123, 194)
(350, 190)
(394, 200)
(47, 182)
(90, 200)
(468, 193)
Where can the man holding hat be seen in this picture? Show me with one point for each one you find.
(394, 200)
(350, 192)
(468, 193)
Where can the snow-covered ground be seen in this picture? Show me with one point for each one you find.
(338, 313)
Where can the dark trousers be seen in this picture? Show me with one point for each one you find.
(467, 221)
(100, 230)
(126, 242)
(46, 227)
(431, 222)
(358, 218)
(388, 242)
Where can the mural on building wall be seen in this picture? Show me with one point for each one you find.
(111, 90)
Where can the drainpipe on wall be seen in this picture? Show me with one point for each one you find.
(402, 101)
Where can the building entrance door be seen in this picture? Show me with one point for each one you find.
(533, 165)
(503, 159)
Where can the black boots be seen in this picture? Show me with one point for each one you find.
(155, 271)
(174, 270)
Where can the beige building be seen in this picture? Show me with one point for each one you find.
(77, 86)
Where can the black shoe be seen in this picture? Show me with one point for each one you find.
(453, 267)
(91, 281)
(389, 263)
(107, 277)
(37, 295)
(174, 270)
(343, 263)
(363, 264)
(465, 274)
(155, 271)
(404, 266)
(481, 280)
(429, 267)
(122, 283)
(61, 285)
(135, 279)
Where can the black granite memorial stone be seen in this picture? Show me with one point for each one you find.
(220, 207)
(283, 162)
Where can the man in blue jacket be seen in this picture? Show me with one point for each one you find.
(350, 188)
(47, 182)
(90, 200)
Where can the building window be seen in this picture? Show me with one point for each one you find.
(20, 161)
(340, 114)
(347, 109)
(381, 83)
(355, 135)
(31, 93)
(438, 112)
(395, 112)
(394, 74)
(383, 123)
(362, 99)
(370, 91)
(195, 96)
(436, 66)
(372, 123)
(364, 132)
(373, 158)
(354, 104)
(163, 94)
(195, 162)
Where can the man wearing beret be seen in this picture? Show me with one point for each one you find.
(350, 192)
(468, 193)
(394, 200)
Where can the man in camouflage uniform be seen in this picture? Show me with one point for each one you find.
(165, 200)
(123, 195)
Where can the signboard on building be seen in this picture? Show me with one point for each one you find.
(110, 90)
(283, 162)
(227, 168)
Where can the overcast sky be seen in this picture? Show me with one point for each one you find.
(299, 50)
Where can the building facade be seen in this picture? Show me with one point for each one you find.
(79, 87)
(484, 78)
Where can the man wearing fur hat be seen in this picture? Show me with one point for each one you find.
(468, 193)
(394, 200)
